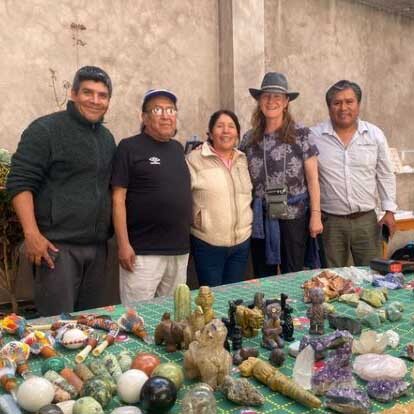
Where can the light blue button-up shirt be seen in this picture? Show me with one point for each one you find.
(352, 177)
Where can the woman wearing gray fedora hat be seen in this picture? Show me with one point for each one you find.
(284, 171)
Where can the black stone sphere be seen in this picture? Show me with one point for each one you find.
(158, 395)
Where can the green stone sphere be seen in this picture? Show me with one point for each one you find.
(171, 371)
(53, 364)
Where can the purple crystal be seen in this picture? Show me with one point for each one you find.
(331, 376)
(320, 344)
(387, 390)
(348, 400)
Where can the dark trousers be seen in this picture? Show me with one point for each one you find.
(294, 235)
(76, 282)
(218, 265)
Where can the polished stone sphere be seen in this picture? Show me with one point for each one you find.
(158, 395)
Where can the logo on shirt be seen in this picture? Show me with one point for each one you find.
(154, 161)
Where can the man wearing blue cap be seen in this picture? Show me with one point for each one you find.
(152, 203)
(59, 184)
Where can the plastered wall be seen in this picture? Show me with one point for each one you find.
(142, 44)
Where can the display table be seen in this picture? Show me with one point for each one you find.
(272, 287)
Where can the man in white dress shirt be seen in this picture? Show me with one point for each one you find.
(354, 171)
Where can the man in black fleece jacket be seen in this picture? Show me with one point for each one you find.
(59, 184)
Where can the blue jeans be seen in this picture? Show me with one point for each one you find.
(217, 265)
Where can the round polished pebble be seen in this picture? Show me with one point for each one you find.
(53, 364)
(66, 406)
(146, 362)
(127, 409)
(130, 384)
(87, 405)
(158, 395)
(171, 371)
(34, 393)
(50, 409)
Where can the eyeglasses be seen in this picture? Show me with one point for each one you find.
(158, 111)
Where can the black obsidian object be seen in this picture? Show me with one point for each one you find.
(158, 395)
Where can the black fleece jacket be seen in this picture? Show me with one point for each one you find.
(66, 161)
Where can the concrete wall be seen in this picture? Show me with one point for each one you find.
(142, 44)
(321, 41)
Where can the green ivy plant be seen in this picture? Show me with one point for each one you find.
(11, 235)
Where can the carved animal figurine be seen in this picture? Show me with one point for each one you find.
(249, 320)
(170, 333)
(205, 299)
(193, 324)
(237, 338)
(286, 318)
(272, 329)
(316, 313)
(206, 357)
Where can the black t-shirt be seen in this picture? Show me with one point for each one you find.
(158, 200)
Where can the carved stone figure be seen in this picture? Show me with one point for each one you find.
(170, 333)
(316, 313)
(286, 318)
(272, 329)
(205, 299)
(249, 320)
(206, 357)
(193, 324)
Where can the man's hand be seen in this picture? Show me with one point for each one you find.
(315, 225)
(389, 221)
(36, 248)
(126, 256)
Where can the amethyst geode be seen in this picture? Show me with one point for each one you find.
(348, 400)
(387, 390)
(330, 377)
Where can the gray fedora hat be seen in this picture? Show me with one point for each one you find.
(274, 82)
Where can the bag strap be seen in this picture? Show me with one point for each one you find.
(265, 162)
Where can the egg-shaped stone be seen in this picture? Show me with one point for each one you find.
(130, 384)
(66, 406)
(127, 409)
(34, 393)
(74, 338)
(53, 364)
(87, 405)
(171, 371)
(99, 389)
(50, 409)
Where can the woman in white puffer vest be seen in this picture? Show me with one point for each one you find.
(222, 195)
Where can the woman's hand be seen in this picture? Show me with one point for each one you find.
(315, 224)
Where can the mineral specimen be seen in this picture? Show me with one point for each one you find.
(158, 395)
(348, 400)
(240, 391)
(331, 377)
(344, 323)
(351, 299)
(389, 281)
(242, 354)
(371, 367)
(400, 409)
(394, 311)
(375, 297)
(370, 342)
(302, 371)
(385, 390)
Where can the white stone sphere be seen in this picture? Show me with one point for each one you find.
(130, 384)
(34, 393)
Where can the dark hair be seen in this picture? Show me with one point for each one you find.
(340, 86)
(91, 73)
(214, 118)
(287, 132)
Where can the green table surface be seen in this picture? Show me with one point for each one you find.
(272, 287)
